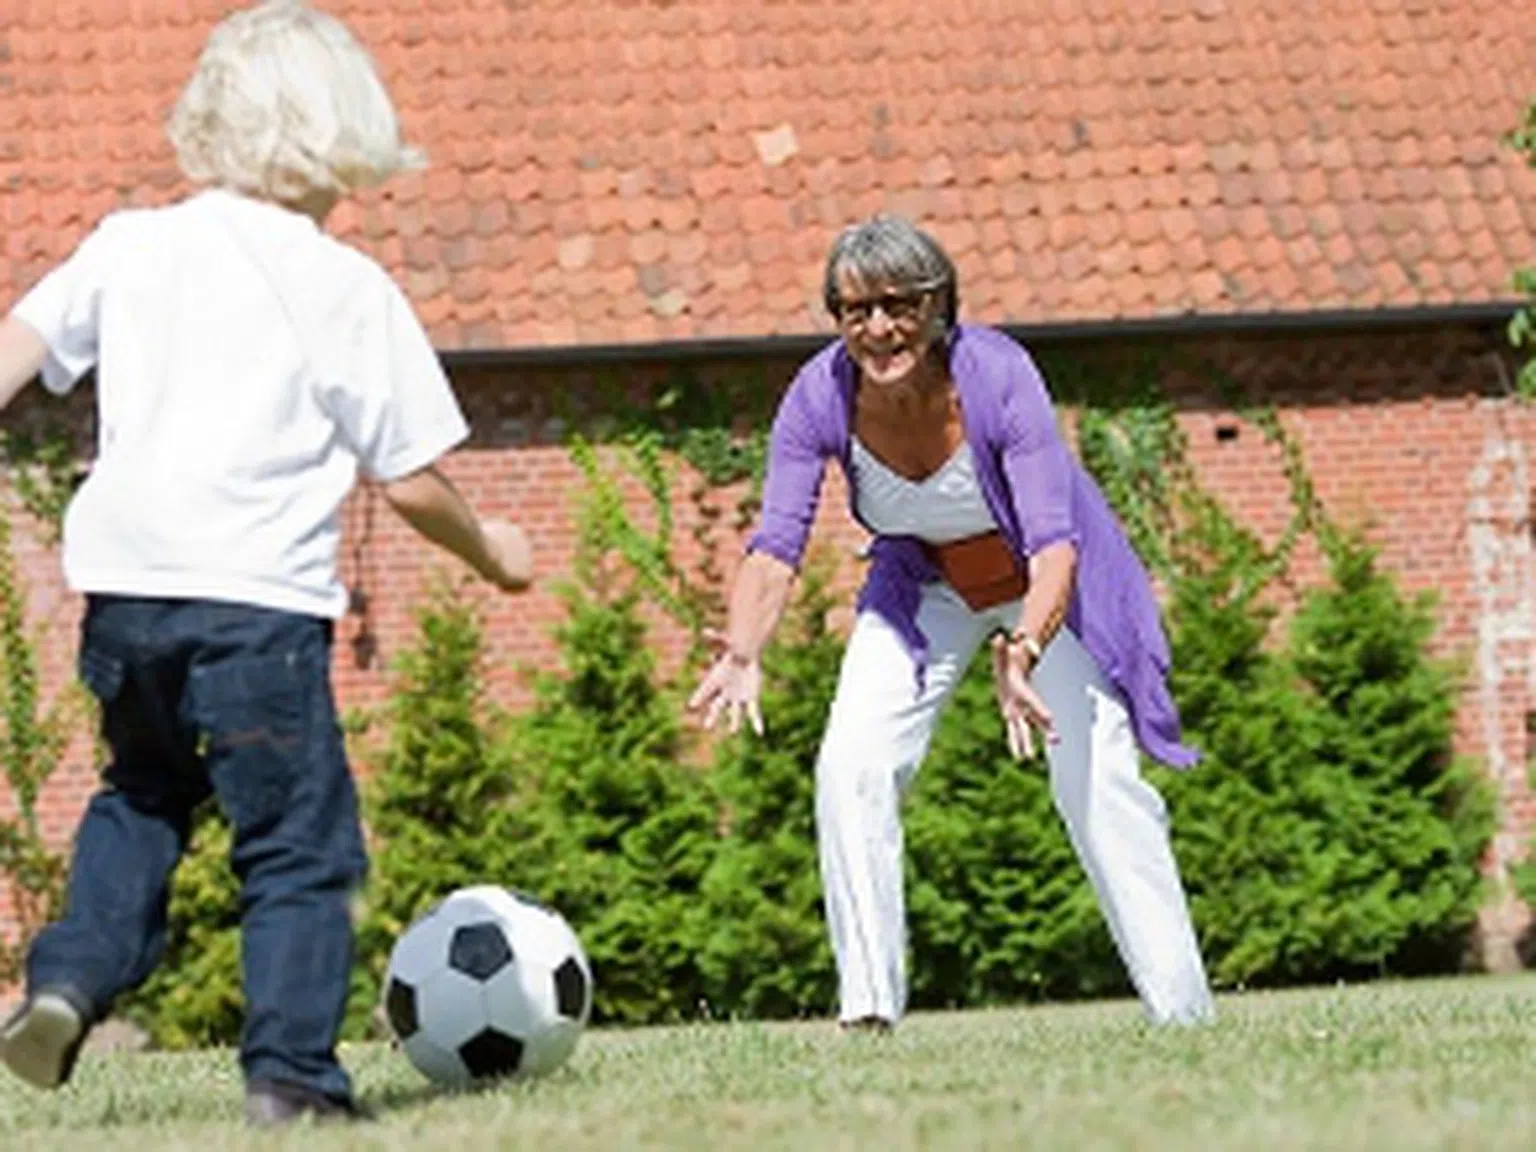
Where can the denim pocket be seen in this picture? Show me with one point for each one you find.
(251, 713)
(101, 672)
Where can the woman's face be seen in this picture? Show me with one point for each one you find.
(888, 329)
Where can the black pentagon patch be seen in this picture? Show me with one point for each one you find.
(570, 989)
(400, 1007)
(479, 950)
(491, 1054)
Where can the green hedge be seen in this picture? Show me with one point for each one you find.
(1329, 831)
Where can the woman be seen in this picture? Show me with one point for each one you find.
(985, 529)
(247, 366)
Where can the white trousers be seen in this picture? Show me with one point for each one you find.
(878, 732)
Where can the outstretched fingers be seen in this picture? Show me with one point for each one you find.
(730, 691)
(1023, 709)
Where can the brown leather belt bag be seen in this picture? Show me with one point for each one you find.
(982, 569)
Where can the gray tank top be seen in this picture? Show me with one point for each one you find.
(945, 505)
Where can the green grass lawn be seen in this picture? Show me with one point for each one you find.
(1434, 1065)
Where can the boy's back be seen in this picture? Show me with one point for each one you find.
(247, 363)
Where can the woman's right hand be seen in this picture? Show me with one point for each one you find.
(732, 685)
(734, 681)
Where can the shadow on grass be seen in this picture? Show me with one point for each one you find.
(392, 1098)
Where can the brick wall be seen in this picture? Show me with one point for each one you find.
(1411, 432)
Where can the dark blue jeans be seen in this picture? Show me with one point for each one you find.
(204, 698)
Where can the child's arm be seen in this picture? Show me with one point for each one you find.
(429, 503)
(22, 353)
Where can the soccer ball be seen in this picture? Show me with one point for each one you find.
(487, 984)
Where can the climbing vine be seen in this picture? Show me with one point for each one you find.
(1522, 335)
(40, 468)
(1522, 326)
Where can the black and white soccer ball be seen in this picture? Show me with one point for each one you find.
(487, 984)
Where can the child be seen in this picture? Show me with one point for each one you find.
(247, 366)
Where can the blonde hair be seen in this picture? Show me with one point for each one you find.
(285, 103)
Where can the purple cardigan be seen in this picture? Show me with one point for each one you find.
(1037, 492)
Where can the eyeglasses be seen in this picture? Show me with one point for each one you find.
(899, 308)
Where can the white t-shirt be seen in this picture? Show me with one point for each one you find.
(247, 365)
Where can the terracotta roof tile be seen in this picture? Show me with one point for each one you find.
(625, 171)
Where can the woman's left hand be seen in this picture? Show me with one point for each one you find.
(1022, 707)
(732, 686)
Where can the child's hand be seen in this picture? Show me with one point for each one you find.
(512, 555)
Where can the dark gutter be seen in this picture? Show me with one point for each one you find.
(1363, 321)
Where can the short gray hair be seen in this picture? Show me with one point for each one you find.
(894, 251)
